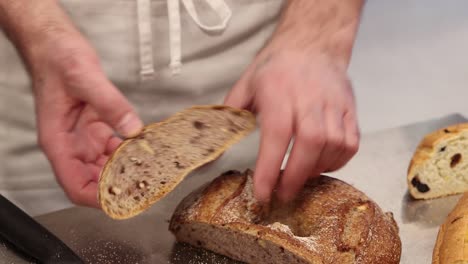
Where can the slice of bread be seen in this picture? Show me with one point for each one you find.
(439, 166)
(452, 240)
(330, 222)
(145, 168)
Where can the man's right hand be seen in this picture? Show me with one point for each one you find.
(78, 109)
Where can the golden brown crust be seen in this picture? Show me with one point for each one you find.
(452, 240)
(427, 147)
(168, 188)
(330, 222)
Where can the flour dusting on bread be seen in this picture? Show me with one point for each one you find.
(310, 242)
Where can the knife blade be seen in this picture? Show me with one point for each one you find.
(33, 239)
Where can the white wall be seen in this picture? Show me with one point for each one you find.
(410, 61)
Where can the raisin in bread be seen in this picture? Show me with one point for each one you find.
(144, 169)
(452, 240)
(330, 222)
(439, 166)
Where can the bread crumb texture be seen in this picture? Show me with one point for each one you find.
(439, 166)
(145, 168)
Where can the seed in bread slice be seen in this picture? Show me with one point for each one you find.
(439, 166)
(330, 222)
(144, 169)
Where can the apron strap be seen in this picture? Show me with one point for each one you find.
(175, 40)
(219, 7)
(145, 39)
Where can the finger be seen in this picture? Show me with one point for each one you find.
(96, 169)
(240, 96)
(112, 145)
(352, 137)
(77, 179)
(89, 195)
(101, 160)
(99, 134)
(112, 107)
(334, 140)
(308, 145)
(276, 132)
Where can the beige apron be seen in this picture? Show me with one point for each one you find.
(164, 55)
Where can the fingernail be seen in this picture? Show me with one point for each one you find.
(130, 125)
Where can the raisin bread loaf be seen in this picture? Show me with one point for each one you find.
(452, 241)
(145, 168)
(330, 222)
(439, 166)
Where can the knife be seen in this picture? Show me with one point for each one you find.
(30, 237)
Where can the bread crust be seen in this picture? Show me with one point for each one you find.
(330, 222)
(451, 246)
(426, 149)
(106, 172)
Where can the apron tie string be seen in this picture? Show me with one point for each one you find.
(220, 7)
(145, 39)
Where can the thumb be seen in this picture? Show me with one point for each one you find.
(110, 104)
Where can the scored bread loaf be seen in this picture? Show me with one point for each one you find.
(452, 240)
(439, 166)
(145, 168)
(330, 222)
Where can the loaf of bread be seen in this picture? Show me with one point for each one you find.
(144, 169)
(452, 241)
(330, 222)
(439, 166)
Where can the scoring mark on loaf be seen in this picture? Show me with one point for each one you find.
(456, 219)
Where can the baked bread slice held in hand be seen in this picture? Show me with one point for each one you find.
(144, 169)
(439, 166)
(330, 222)
(452, 240)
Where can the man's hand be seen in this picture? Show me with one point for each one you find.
(78, 109)
(299, 87)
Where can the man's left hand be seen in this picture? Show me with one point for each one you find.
(305, 96)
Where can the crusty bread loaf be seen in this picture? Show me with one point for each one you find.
(452, 241)
(330, 222)
(439, 166)
(145, 168)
